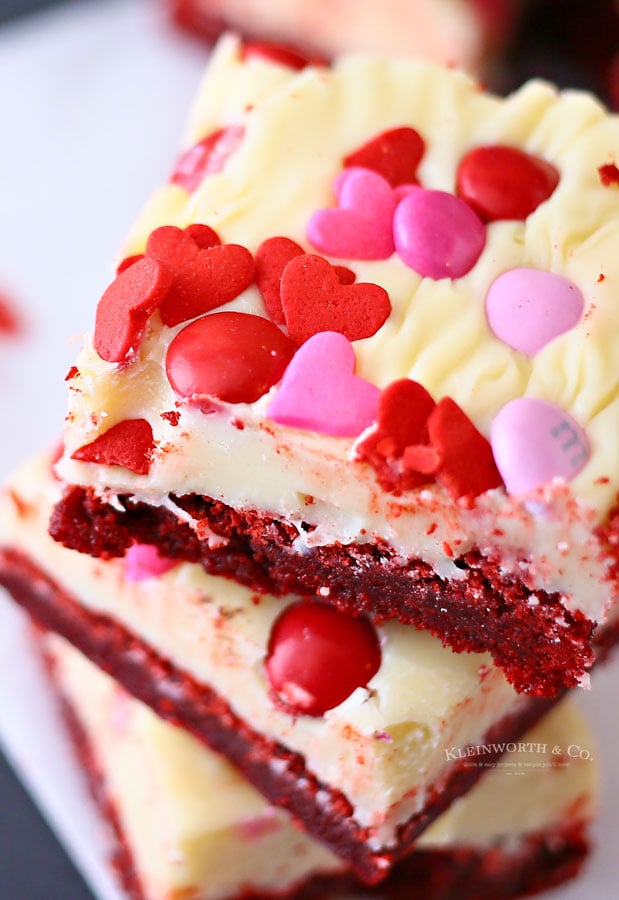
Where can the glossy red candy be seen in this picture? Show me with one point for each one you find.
(394, 154)
(232, 356)
(317, 656)
(501, 182)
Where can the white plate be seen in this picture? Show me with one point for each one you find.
(93, 98)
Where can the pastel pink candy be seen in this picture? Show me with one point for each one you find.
(437, 234)
(528, 308)
(142, 561)
(360, 227)
(535, 441)
(320, 392)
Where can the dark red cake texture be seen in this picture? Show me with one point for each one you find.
(279, 774)
(541, 647)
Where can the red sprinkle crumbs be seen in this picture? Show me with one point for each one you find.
(129, 444)
(72, 373)
(314, 299)
(173, 417)
(393, 154)
(609, 174)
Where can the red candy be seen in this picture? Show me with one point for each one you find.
(314, 299)
(501, 182)
(207, 157)
(317, 656)
(278, 53)
(128, 261)
(609, 174)
(125, 307)
(467, 467)
(202, 279)
(204, 236)
(393, 154)
(129, 444)
(235, 357)
(397, 447)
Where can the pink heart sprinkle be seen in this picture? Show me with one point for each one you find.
(361, 226)
(528, 308)
(142, 561)
(534, 441)
(437, 234)
(320, 392)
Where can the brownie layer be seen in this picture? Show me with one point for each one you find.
(280, 775)
(540, 646)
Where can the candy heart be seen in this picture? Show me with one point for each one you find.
(125, 307)
(320, 392)
(129, 444)
(394, 154)
(437, 234)
(528, 308)
(361, 226)
(394, 447)
(232, 356)
(501, 182)
(142, 561)
(314, 300)
(467, 467)
(202, 279)
(207, 157)
(317, 656)
(534, 441)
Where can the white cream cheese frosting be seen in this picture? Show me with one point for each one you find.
(191, 822)
(297, 129)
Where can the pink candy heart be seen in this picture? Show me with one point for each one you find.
(528, 308)
(534, 441)
(320, 392)
(142, 561)
(361, 226)
(436, 234)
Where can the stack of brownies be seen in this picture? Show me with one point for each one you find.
(338, 490)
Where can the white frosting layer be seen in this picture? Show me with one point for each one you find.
(298, 128)
(192, 822)
(382, 747)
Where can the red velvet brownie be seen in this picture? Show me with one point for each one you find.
(364, 733)
(456, 32)
(185, 824)
(365, 351)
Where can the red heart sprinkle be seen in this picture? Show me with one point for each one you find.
(202, 279)
(501, 182)
(397, 446)
(467, 467)
(314, 299)
(609, 174)
(128, 444)
(125, 307)
(128, 261)
(235, 357)
(272, 257)
(207, 157)
(204, 236)
(317, 656)
(394, 154)
(278, 53)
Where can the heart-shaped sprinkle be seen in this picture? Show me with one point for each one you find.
(397, 445)
(438, 235)
(528, 308)
(202, 279)
(207, 157)
(320, 392)
(314, 300)
(279, 54)
(142, 561)
(128, 261)
(317, 656)
(394, 154)
(232, 356)
(535, 441)
(467, 467)
(125, 307)
(501, 182)
(128, 444)
(272, 257)
(204, 236)
(361, 226)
